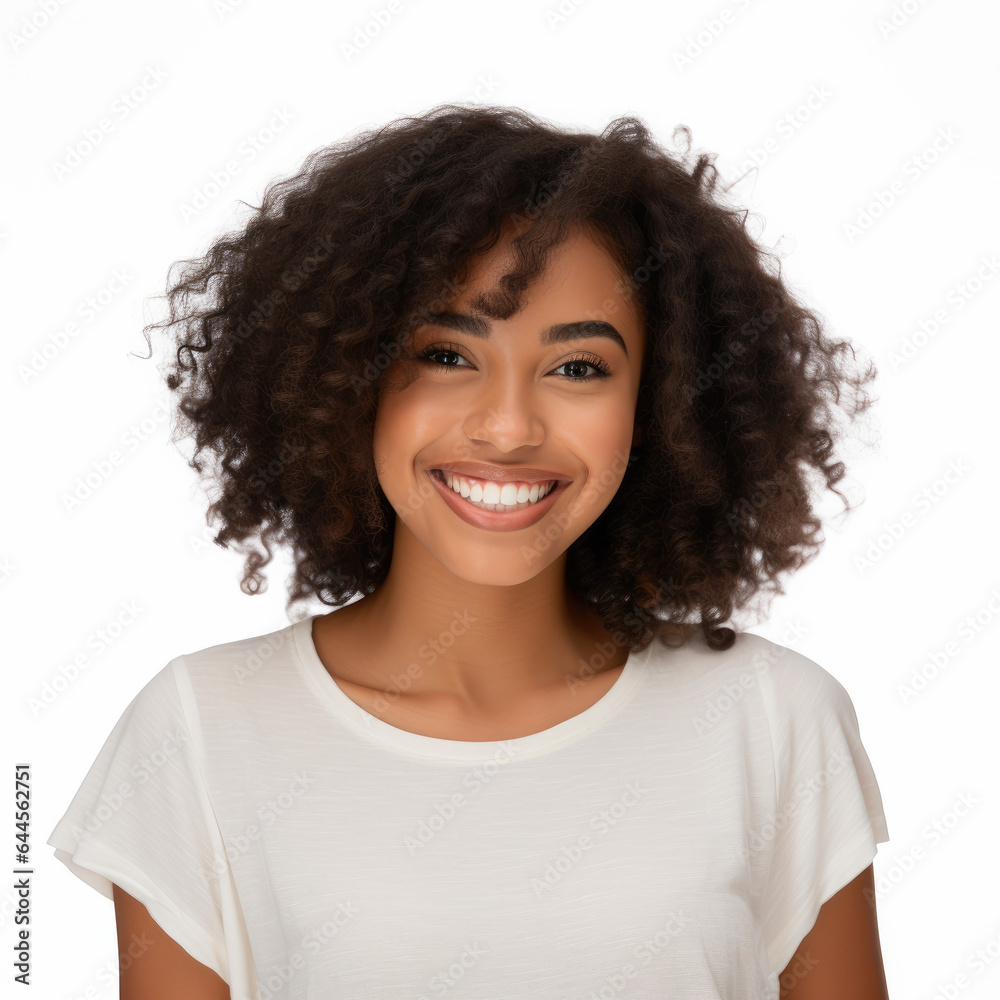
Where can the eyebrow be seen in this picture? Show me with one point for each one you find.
(478, 326)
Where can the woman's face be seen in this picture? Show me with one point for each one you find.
(512, 404)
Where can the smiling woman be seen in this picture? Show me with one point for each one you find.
(535, 420)
(520, 395)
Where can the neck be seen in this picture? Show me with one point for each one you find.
(485, 645)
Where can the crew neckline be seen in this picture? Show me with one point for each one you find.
(579, 725)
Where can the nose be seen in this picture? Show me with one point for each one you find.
(505, 415)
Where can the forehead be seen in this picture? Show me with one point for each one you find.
(579, 254)
(580, 283)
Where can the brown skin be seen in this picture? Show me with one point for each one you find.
(343, 653)
(523, 664)
(507, 401)
(841, 956)
(152, 965)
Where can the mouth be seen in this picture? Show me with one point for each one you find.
(498, 516)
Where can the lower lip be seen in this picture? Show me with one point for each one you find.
(493, 520)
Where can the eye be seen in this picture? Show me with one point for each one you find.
(590, 360)
(602, 370)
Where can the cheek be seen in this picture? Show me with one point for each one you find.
(603, 435)
(391, 418)
(386, 443)
(404, 425)
(612, 410)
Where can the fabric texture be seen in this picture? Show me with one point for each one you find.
(675, 839)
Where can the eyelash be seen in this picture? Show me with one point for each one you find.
(603, 371)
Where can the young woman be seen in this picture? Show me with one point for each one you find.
(536, 399)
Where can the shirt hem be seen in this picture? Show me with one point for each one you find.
(102, 874)
(845, 867)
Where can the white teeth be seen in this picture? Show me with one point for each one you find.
(494, 496)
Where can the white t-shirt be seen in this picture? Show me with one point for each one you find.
(676, 839)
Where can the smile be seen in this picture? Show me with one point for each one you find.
(479, 502)
(491, 495)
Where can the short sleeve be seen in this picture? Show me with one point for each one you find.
(142, 819)
(828, 817)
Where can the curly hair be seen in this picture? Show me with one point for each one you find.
(287, 327)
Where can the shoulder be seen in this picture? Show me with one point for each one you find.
(157, 705)
(752, 658)
(780, 684)
(790, 681)
(227, 678)
(239, 665)
(802, 701)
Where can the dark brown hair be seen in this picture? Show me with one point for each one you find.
(286, 328)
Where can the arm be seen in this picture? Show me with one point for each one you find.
(152, 965)
(841, 956)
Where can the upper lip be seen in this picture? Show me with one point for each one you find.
(501, 473)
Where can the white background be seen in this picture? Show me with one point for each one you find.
(896, 579)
